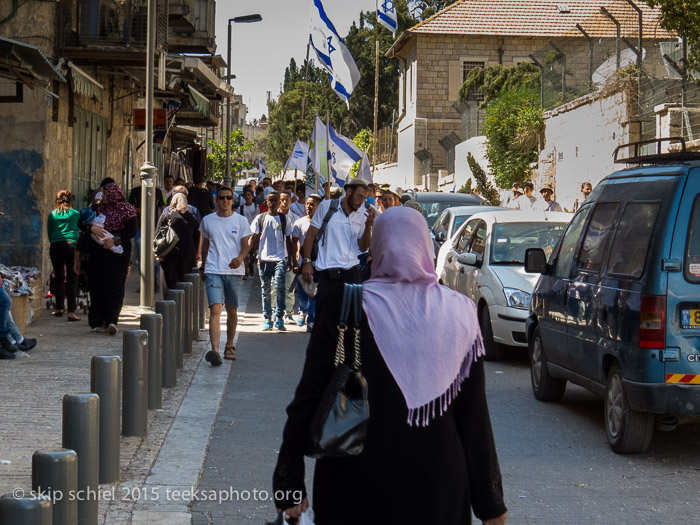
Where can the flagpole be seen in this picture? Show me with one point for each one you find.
(328, 146)
(376, 86)
(303, 98)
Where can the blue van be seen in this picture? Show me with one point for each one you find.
(617, 307)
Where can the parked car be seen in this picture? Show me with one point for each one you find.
(451, 219)
(484, 261)
(434, 203)
(617, 307)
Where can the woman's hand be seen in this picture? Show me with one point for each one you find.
(295, 511)
(500, 520)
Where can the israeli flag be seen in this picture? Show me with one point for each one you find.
(297, 160)
(332, 53)
(344, 155)
(317, 165)
(364, 172)
(263, 170)
(386, 14)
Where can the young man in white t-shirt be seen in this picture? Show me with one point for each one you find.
(307, 304)
(292, 218)
(226, 240)
(273, 239)
(249, 210)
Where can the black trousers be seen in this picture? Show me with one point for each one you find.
(61, 254)
(329, 289)
(107, 276)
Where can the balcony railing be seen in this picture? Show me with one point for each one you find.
(109, 23)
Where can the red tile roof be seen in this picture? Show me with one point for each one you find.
(542, 18)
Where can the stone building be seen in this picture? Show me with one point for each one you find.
(72, 93)
(436, 55)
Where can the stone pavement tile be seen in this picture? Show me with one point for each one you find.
(161, 518)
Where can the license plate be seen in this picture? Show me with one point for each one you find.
(690, 319)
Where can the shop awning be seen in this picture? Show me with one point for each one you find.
(29, 58)
(84, 84)
(199, 102)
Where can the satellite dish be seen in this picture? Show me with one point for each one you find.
(627, 58)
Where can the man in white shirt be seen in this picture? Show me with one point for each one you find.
(528, 200)
(225, 244)
(249, 210)
(547, 203)
(168, 187)
(298, 206)
(285, 209)
(346, 234)
(273, 233)
(307, 304)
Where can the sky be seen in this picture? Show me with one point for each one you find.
(261, 51)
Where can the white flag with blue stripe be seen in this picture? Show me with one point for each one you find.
(297, 160)
(364, 172)
(386, 14)
(344, 154)
(332, 53)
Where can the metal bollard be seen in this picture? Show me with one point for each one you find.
(55, 474)
(81, 432)
(169, 355)
(106, 382)
(25, 511)
(153, 324)
(135, 388)
(179, 297)
(195, 279)
(187, 324)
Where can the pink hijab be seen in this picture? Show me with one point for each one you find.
(427, 334)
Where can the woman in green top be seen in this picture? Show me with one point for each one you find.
(62, 227)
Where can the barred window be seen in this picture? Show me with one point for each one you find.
(467, 66)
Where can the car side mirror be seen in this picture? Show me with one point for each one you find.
(468, 258)
(440, 237)
(535, 261)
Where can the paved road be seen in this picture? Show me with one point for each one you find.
(556, 463)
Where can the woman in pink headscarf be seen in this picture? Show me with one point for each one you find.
(107, 270)
(429, 454)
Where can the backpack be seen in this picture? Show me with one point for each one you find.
(261, 220)
(322, 230)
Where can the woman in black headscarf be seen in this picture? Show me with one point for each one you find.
(429, 455)
(107, 270)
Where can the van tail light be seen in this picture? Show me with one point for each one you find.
(652, 322)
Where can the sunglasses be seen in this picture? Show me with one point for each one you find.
(227, 197)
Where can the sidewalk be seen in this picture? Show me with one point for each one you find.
(32, 388)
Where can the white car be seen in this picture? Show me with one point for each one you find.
(484, 260)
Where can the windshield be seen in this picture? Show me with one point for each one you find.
(511, 240)
(432, 210)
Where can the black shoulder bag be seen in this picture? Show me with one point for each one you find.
(165, 239)
(339, 426)
(322, 230)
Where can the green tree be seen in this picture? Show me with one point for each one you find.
(487, 191)
(217, 155)
(683, 17)
(427, 8)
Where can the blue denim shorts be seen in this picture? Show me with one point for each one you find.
(223, 289)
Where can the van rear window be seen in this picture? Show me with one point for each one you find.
(629, 249)
(591, 256)
(692, 247)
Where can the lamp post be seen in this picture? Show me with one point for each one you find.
(149, 173)
(247, 19)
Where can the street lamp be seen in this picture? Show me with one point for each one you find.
(247, 19)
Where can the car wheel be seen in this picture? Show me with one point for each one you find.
(629, 432)
(494, 350)
(544, 386)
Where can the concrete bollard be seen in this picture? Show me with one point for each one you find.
(106, 382)
(135, 389)
(179, 297)
(25, 511)
(169, 355)
(196, 302)
(187, 324)
(153, 324)
(55, 474)
(81, 432)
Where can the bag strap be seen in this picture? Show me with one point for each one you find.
(261, 220)
(352, 303)
(331, 211)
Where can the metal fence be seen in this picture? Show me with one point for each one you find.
(387, 145)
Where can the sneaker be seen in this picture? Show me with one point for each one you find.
(267, 325)
(301, 319)
(279, 324)
(27, 344)
(289, 319)
(309, 327)
(8, 347)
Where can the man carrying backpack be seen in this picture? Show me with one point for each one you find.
(273, 232)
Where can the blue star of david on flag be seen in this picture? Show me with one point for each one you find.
(386, 14)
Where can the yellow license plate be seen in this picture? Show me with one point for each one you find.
(690, 318)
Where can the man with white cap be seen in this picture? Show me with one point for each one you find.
(547, 203)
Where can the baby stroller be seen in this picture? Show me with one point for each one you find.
(82, 297)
